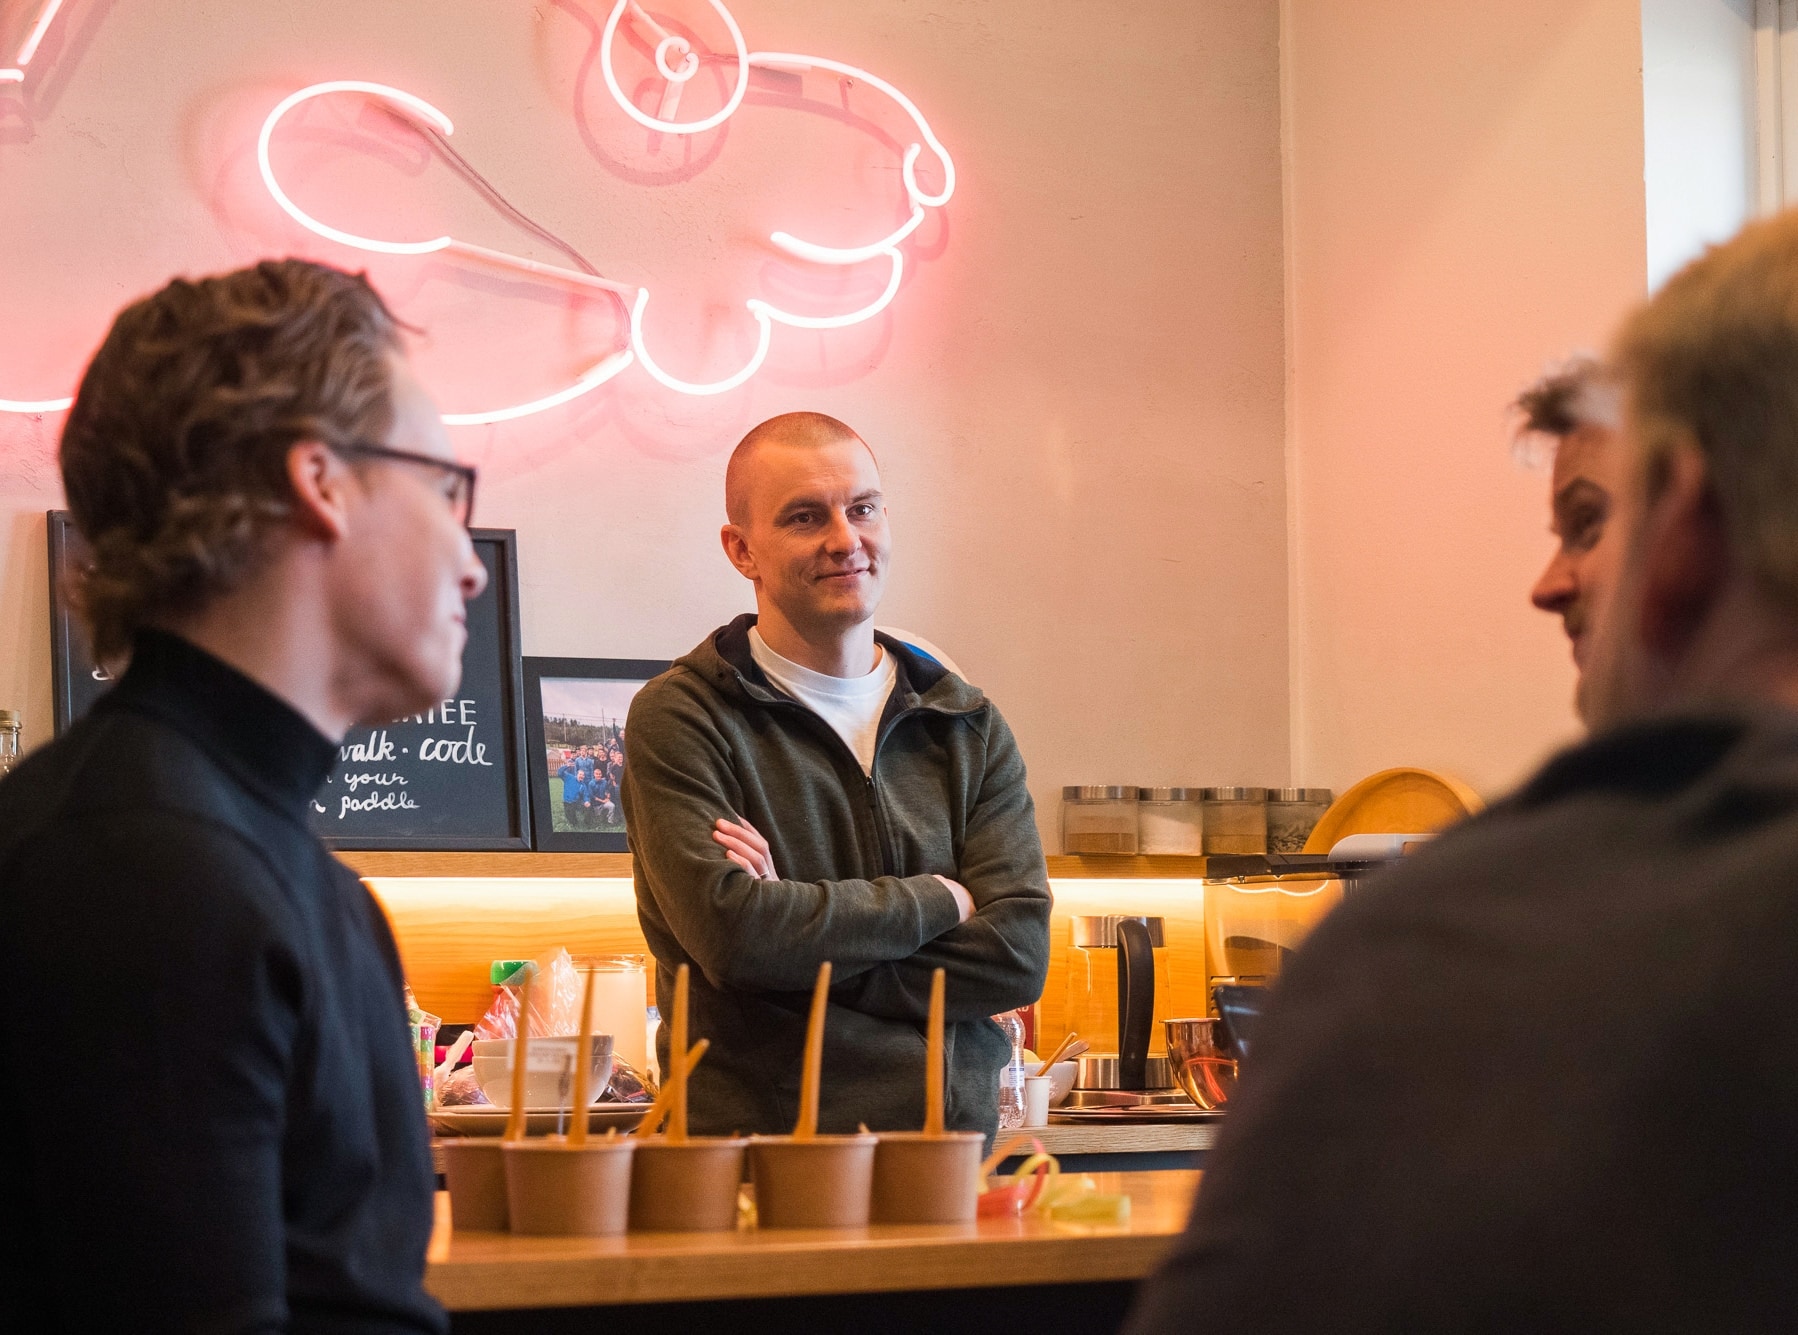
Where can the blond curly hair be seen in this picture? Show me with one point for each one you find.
(174, 455)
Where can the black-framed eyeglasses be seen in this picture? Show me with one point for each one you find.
(461, 476)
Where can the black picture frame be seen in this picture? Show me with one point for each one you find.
(550, 822)
(77, 682)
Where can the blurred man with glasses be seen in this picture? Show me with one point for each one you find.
(217, 1121)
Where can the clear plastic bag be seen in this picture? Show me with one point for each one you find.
(555, 1010)
(555, 1001)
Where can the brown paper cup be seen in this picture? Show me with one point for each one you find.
(686, 1187)
(476, 1173)
(556, 1189)
(819, 1183)
(921, 1179)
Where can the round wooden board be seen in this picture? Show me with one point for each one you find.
(1395, 801)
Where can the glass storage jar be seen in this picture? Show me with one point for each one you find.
(1098, 819)
(1235, 819)
(1292, 813)
(1169, 820)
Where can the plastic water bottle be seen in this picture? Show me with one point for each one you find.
(1011, 1078)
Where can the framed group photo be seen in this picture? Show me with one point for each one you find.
(575, 711)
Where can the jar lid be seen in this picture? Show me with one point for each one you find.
(1300, 795)
(11, 718)
(1168, 794)
(1233, 794)
(1076, 792)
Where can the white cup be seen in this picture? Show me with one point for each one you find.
(1036, 1100)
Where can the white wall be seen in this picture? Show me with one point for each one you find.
(1078, 396)
(1698, 125)
(1464, 203)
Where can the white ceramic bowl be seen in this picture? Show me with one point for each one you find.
(1061, 1082)
(548, 1062)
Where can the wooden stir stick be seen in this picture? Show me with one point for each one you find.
(583, 1067)
(653, 1118)
(814, 1058)
(677, 1081)
(1055, 1056)
(933, 1059)
(521, 1044)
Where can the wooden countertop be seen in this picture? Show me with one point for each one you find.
(487, 1271)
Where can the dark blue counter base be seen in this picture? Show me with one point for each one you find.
(1090, 1309)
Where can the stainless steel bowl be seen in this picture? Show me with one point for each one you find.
(1204, 1070)
(1100, 1070)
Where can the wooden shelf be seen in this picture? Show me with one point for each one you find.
(619, 864)
(487, 864)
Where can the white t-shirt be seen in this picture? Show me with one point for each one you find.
(851, 705)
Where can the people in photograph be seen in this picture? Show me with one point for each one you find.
(573, 791)
(1574, 410)
(1544, 1075)
(821, 792)
(601, 804)
(583, 763)
(215, 1114)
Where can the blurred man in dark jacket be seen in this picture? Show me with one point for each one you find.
(1544, 1077)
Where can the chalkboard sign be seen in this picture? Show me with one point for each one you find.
(450, 778)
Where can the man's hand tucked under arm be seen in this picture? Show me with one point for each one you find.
(743, 844)
(964, 902)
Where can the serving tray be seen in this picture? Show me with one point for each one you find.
(1135, 1114)
(479, 1121)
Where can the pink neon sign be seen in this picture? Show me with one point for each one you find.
(676, 63)
(669, 49)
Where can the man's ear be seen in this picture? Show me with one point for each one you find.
(320, 481)
(1685, 554)
(736, 549)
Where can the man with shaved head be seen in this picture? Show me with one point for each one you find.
(802, 789)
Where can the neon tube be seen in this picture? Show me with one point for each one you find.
(306, 220)
(763, 316)
(789, 60)
(689, 62)
(811, 250)
(45, 18)
(643, 118)
(867, 312)
(593, 379)
(40, 406)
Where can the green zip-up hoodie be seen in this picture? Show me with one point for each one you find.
(713, 737)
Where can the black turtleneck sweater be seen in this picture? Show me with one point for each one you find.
(213, 1116)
